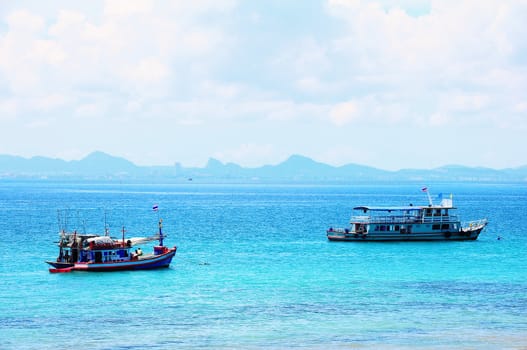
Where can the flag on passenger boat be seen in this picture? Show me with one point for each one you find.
(155, 207)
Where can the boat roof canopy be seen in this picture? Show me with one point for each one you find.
(405, 208)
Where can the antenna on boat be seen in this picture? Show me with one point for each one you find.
(59, 221)
(106, 228)
(155, 208)
(65, 219)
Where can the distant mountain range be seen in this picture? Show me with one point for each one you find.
(102, 166)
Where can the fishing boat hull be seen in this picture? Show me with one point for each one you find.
(463, 235)
(60, 265)
(143, 263)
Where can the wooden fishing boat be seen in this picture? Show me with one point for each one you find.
(92, 252)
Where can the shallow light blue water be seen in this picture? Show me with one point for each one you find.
(254, 269)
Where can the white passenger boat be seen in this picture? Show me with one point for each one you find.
(407, 223)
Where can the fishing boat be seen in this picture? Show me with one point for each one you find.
(92, 252)
(408, 223)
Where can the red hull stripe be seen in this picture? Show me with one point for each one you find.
(157, 261)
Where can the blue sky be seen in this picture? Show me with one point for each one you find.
(391, 84)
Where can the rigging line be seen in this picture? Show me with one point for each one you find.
(59, 220)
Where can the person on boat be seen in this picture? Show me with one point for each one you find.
(139, 252)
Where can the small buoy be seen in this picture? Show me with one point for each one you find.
(499, 238)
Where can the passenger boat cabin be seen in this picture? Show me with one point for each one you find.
(406, 219)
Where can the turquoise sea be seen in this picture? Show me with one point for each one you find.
(254, 270)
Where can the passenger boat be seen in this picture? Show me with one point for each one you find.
(407, 223)
(92, 252)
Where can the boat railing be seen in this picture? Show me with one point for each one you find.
(402, 219)
(444, 218)
(388, 219)
(361, 218)
(469, 225)
(340, 230)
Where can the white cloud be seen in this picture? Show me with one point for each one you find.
(455, 45)
(219, 90)
(8, 109)
(38, 124)
(23, 21)
(197, 7)
(49, 102)
(344, 113)
(309, 84)
(205, 65)
(521, 107)
(89, 111)
(126, 8)
(438, 119)
(147, 71)
(118, 53)
(467, 102)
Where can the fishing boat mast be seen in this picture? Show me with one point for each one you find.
(160, 232)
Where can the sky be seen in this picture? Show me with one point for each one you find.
(390, 84)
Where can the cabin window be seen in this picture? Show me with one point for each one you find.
(376, 227)
(445, 227)
(438, 212)
(396, 227)
(428, 212)
(436, 227)
(383, 228)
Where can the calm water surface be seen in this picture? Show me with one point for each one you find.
(254, 270)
